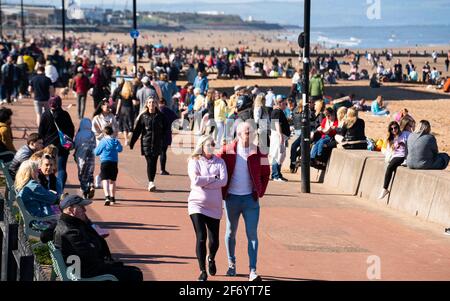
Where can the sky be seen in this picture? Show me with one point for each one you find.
(332, 13)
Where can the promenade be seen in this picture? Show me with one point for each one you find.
(325, 235)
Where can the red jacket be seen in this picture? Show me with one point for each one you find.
(258, 167)
(331, 133)
(82, 84)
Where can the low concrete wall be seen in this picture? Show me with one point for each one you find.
(372, 180)
(345, 168)
(440, 208)
(412, 191)
(423, 193)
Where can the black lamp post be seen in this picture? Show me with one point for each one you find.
(22, 21)
(135, 39)
(306, 126)
(63, 15)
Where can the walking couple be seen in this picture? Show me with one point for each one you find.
(239, 174)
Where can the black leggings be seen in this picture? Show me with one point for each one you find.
(201, 223)
(151, 167)
(395, 162)
(163, 158)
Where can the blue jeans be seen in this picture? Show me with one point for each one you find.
(295, 149)
(62, 165)
(381, 113)
(276, 171)
(235, 205)
(318, 147)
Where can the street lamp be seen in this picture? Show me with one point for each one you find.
(22, 21)
(304, 41)
(63, 12)
(135, 39)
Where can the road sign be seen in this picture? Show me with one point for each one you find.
(134, 34)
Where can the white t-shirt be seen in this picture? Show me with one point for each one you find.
(241, 182)
(270, 99)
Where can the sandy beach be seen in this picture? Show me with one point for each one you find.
(423, 102)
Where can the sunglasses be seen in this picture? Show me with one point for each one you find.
(49, 157)
(394, 128)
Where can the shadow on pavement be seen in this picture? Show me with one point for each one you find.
(150, 259)
(136, 226)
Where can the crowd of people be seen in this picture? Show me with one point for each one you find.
(235, 133)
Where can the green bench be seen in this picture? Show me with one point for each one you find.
(28, 219)
(10, 192)
(60, 269)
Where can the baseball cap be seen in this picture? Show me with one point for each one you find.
(55, 102)
(71, 200)
(80, 69)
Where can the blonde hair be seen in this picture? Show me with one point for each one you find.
(318, 106)
(340, 114)
(127, 90)
(350, 119)
(51, 150)
(25, 173)
(198, 150)
(37, 156)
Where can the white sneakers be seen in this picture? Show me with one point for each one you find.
(383, 193)
(253, 276)
(151, 187)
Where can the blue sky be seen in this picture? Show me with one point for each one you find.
(324, 12)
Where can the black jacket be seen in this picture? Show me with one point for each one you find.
(151, 128)
(76, 237)
(48, 131)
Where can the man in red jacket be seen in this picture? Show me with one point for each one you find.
(81, 86)
(248, 176)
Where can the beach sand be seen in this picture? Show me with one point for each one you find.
(422, 102)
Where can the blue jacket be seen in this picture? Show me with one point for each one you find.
(37, 199)
(201, 84)
(108, 149)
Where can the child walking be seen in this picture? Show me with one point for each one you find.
(108, 149)
(84, 156)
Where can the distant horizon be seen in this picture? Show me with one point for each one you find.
(325, 13)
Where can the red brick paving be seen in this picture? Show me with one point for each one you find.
(323, 235)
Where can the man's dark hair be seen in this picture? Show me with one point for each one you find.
(41, 69)
(33, 138)
(162, 100)
(108, 130)
(5, 114)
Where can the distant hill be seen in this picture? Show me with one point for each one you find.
(209, 20)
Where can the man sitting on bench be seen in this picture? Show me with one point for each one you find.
(75, 235)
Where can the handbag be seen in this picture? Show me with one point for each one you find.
(66, 141)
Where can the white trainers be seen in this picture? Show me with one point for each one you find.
(383, 193)
(151, 187)
(97, 181)
(253, 276)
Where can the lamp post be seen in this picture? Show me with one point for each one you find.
(135, 39)
(1, 21)
(22, 21)
(306, 126)
(63, 15)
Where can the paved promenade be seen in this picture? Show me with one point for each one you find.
(324, 235)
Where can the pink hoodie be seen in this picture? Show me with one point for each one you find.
(206, 191)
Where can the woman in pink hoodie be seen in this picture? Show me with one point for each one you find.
(208, 175)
